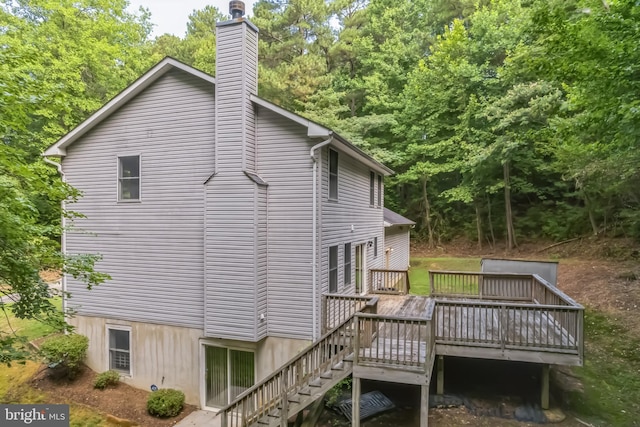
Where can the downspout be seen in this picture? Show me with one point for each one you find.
(314, 233)
(63, 236)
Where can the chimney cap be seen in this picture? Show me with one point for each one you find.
(236, 9)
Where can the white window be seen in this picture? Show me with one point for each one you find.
(379, 190)
(120, 350)
(333, 269)
(372, 188)
(128, 178)
(347, 263)
(333, 174)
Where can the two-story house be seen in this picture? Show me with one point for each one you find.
(221, 218)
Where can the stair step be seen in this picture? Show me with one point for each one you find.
(327, 375)
(305, 391)
(338, 367)
(316, 383)
(294, 399)
(274, 414)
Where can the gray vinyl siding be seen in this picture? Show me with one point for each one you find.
(352, 208)
(396, 239)
(153, 248)
(284, 162)
(230, 257)
(236, 79)
(262, 260)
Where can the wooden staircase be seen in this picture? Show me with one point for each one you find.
(308, 394)
(308, 376)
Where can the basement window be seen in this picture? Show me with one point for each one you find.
(129, 178)
(120, 350)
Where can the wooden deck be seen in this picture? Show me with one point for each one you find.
(397, 338)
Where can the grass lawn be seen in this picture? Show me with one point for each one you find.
(15, 380)
(32, 329)
(610, 375)
(419, 272)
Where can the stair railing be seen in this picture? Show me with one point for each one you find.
(271, 394)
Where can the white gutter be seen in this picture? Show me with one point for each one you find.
(63, 236)
(314, 234)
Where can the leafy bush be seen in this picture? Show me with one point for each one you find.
(106, 379)
(65, 353)
(165, 402)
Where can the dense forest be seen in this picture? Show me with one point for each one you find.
(503, 119)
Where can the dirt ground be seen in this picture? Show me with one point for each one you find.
(121, 401)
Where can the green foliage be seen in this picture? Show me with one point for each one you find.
(165, 402)
(65, 352)
(105, 379)
(337, 390)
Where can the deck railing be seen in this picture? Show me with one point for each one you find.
(336, 308)
(389, 281)
(517, 311)
(395, 342)
(271, 393)
(487, 286)
(509, 325)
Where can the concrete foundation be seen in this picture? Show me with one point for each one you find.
(171, 356)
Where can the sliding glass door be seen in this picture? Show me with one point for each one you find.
(228, 373)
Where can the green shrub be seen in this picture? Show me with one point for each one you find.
(106, 379)
(65, 353)
(165, 403)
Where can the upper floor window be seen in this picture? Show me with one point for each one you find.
(129, 178)
(333, 269)
(379, 190)
(333, 174)
(372, 188)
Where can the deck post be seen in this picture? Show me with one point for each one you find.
(355, 400)
(440, 376)
(424, 406)
(544, 401)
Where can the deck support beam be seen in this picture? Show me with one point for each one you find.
(544, 398)
(440, 375)
(355, 401)
(424, 406)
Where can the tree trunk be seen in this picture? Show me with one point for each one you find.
(490, 220)
(478, 223)
(592, 219)
(511, 235)
(427, 212)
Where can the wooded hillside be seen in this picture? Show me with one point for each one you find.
(503, 119)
